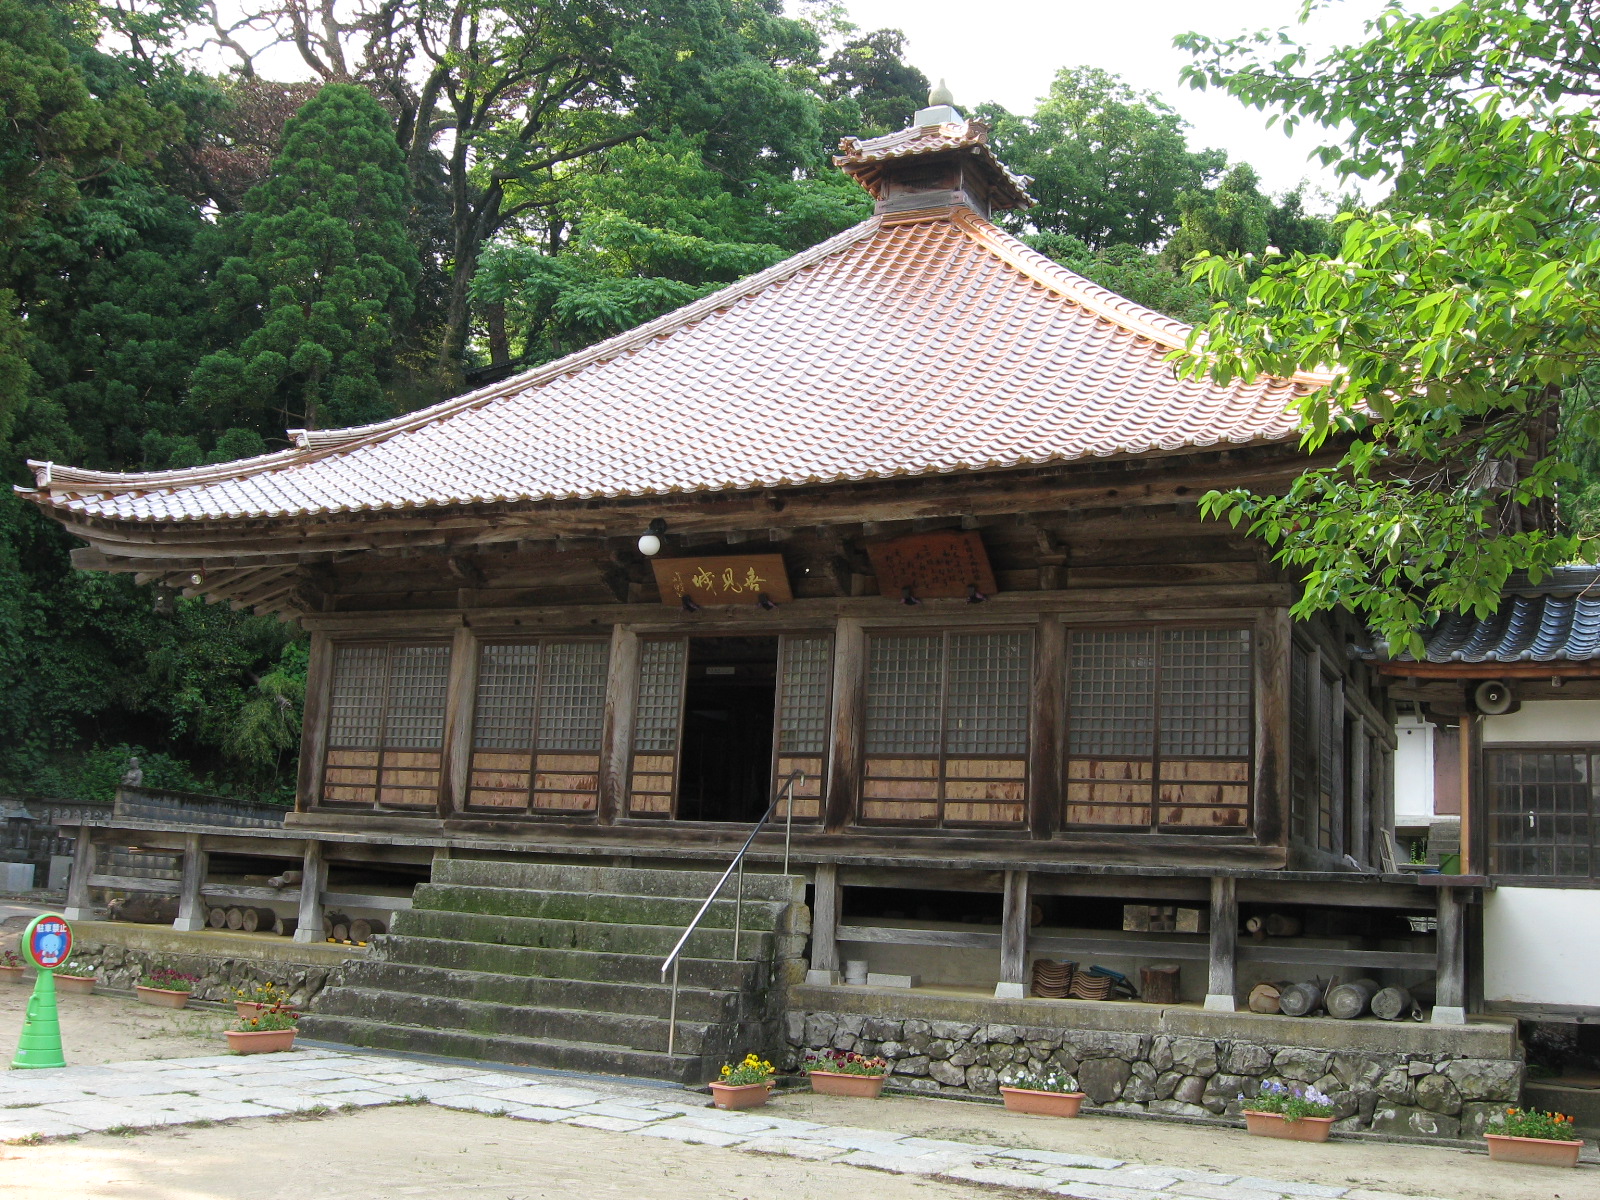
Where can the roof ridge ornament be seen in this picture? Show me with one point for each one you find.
(941, 109)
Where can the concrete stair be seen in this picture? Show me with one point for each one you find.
(560, 966)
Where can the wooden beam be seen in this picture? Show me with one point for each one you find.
(1373, 960)
(1013, 983)
(899, 936)
(1490, 670)
(191, 903)
(825, 896)
(1221, 989)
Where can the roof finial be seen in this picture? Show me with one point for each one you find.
(941, 109)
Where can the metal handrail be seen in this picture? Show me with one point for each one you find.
(782, 791)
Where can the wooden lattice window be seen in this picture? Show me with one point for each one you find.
(386, 714)
(1543, 818)
(657, 723)
(805, 673)
(1159, 729)
(536, 726)
(946, 737)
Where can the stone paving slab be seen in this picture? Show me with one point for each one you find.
(76, 1100)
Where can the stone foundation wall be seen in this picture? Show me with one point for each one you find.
(1407, 1093)
(124, 966)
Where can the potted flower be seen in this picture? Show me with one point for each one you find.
(1052, 1093)
(1527, 1136)
(266, 1032)
(845, 1073)
(254, 1000)
(1281, 1112)
(76, 976)
(165, 987)
(10, 967)
(745, 1084)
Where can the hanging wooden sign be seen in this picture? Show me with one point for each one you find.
(943, 563)
(734, 579)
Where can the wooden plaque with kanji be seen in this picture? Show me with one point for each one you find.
(933, 565)
(734, 579)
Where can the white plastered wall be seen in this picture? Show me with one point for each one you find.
(1413, 771)
(1542, 945)
(1546, 721)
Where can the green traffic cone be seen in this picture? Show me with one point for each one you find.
(40, 1044)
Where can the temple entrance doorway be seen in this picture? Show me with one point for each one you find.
(729, 699)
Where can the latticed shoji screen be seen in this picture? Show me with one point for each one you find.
(536, 726)
(1159, 728)
(805, 673)
(1544, 820)
(386, 714)
(656, 719)
(946, 737)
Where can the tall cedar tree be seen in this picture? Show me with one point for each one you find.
(324, 276)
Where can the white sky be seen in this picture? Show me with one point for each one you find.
(1009, 52)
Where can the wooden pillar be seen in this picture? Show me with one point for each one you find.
(1048, 732)
(824, 925)
(461, 696)
(79, 906)
(1450, 1002)
(1013, 983)
(314, 722)
(1221, 991)
(313, 882)
(844, 767)
(1271, 798)
(191, 903)
(616, 727)
(1471, 731)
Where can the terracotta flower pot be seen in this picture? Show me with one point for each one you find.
(1542, 1152)
(838, 1083)
(80, 985)
(260, 1041)
(1276, 1125)
(11, 974)
(249, 1008)
(160, 997)
(1042, 1104)
(740, 1095)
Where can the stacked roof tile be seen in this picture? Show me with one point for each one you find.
(865, 159)
(902, 347)
(1555, 621)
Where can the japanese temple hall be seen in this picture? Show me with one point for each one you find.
(895, 544)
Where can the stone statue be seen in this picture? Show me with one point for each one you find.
(134, 775)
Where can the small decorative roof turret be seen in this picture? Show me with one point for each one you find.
(940, 159)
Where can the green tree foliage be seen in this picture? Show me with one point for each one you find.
(1140, 275)
(871, 70)
(1109, 164)
(653, 230)
(1453, 317)
(323, 277)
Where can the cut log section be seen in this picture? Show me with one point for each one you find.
(1350, 1000)
(235, 918)
(285, 926)
(1158, 985)
(1264, 997)
(217, 918)
(1300, 999)
(255, 919)
(1393, 1003)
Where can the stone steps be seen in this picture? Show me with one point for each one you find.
(559, 966)
(671, 911)
(1581, 1104)
(565, 963)
(586, 1057)
(586, 995)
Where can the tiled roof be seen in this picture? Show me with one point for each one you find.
(912, 346)
(862, 157)
(1557, 620)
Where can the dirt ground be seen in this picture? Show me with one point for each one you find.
(438, 1153)
(100, 1029)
